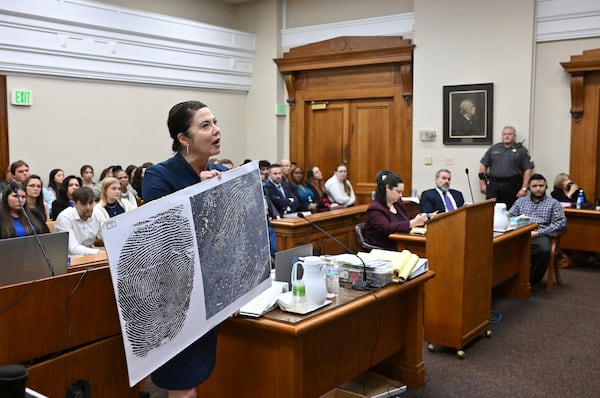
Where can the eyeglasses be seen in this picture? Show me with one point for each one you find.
(34, 186)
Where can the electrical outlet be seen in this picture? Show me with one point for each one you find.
(427, 160)
(427, 135)
(449, 160)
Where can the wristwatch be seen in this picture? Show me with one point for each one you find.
(524, 189)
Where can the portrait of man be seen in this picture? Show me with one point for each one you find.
(468, 118)
(468, 114)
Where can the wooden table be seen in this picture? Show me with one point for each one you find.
(295, 231)
(284, 355)
(510, 261)
(583, 230)
(66, 328)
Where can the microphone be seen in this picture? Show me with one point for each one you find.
(358, 285)
(469, 181)
(15, 187)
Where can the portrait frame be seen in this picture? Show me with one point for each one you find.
(468, 114)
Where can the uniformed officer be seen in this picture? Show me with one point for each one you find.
(505, 169)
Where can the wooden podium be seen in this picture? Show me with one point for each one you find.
(63, 329)
(459, 247)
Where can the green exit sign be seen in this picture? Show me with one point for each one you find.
(21, 97)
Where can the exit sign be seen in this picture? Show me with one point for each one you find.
(21, 97)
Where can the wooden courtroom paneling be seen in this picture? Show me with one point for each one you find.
(351, 102)
(585, 121)
(306, 356)
(292, 232)
(583, 230)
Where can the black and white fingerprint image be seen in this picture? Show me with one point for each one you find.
(232, 240)
(155, 279)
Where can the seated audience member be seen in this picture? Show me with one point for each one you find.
(138, 176)
(279, 192)
(386, 214)
(82, 223)
(130, 170)
(19, 171)
(441, 198)
(127, 192)
(550, 217)
(7, 179)
(314, 180)
(107, 172)
(264, 165)
(111, 204)
(565, 190)
(55, 180)
(285, 168)
(13, 223)
(338, 187)
(227, 163)
(35, 200)
(87, 176)
(305, 195)
(65, 195)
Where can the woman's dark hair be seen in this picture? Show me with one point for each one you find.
(7, 229)
(136, 181)
(39, 201)
(51, 183)
(385, 179)
(84, 168)
(180, 119)
(62, 190)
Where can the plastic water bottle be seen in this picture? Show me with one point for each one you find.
(331, 270)
(579, 203)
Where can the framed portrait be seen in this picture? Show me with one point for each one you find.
(468, 114)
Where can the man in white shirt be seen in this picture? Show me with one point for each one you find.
(82, 223)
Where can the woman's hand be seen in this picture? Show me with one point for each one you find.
(418, 220)
(207, 174)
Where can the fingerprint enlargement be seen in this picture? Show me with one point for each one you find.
(155, 283)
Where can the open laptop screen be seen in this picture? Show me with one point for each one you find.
(21, 259)
(285, 259)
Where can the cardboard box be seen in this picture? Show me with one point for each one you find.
(367, 385)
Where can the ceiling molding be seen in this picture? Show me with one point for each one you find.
(567, 19)
(85, 39)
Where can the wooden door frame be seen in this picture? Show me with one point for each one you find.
(346, 56)
(4, 152)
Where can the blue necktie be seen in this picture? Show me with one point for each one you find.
(449, 205)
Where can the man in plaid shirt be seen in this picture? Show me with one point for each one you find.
(550, 217)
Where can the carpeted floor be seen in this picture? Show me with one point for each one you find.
(545, 346)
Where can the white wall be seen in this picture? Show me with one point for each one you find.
(74, 122)
(264, 137)
(467, 42)
(552, 118)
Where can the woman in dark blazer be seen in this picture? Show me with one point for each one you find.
(387, 214)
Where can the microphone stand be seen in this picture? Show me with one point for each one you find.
(469, 182)
(50, 267)
(358, 285)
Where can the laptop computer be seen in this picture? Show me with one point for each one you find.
(285, 259)
(22, 260)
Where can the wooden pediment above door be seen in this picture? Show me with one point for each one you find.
(347, 52)
(578, 67)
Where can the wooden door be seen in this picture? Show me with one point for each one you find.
(357, 133)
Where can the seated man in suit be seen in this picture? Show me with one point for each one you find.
(279, 192)
(441, 198)
(82, 222)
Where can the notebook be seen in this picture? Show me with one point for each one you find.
(22, 260)
(285, 259)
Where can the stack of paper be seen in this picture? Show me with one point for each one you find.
(265, 301)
